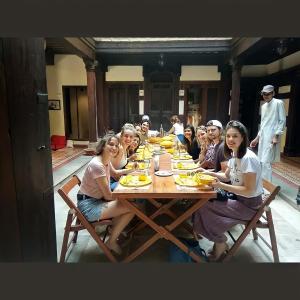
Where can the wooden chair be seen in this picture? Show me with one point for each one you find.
(262, 219)
(80, 223)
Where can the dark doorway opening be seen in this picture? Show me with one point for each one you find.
(123, 105)
(76, 112)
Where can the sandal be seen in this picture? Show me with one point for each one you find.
(218, 253)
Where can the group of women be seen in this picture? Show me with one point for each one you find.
(241, 177)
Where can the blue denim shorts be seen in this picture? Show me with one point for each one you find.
(91, 208)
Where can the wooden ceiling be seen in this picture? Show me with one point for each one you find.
(249, 51)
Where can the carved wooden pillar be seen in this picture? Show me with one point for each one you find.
(235, 90)
(102, 106)
(226, 78)
(92, 99)
(292, 144)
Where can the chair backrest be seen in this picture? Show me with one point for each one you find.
(272, 189)
(66, 188)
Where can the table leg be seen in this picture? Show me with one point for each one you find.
(163, 232)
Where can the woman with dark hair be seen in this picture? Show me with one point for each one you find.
(136, 142)
(244, 172)
(144, 131)
(189, 141)
(95, 199)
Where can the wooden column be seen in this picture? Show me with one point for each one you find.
(235, 91)
(226, 78)
(102, 107)
(292, 144)
(27, 220)
(92, 99)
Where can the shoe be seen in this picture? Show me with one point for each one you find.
(116, 249)
(219, 251)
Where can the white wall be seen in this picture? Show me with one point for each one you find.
(193, 73)
(274, 67)
(124, 73)
(68, 70)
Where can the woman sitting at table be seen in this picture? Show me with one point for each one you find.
(201, 142)
(95, 199)
(120, 159)
(131, 152)
(189, 141)
(244, 171)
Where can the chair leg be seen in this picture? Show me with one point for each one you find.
(74, 239)
(105, 233)
(64, 247)
(255, 235)
(272, 235)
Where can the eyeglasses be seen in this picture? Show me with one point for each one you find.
(267, 94)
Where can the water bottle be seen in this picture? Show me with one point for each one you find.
(156, 162)
(161, 131)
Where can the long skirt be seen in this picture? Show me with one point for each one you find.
(216, 217)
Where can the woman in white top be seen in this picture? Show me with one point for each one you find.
(177, 127)
(95, 199)
(244, 171)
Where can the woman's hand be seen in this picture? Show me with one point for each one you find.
(216, 183)
(132, 157)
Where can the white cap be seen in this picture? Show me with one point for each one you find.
(214, 123)
(145, 118)
(267, 89)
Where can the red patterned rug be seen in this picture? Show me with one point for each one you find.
(62, 156)
(288, 170)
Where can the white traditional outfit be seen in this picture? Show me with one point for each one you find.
(273, 119)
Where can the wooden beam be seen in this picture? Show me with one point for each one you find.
(82, 47)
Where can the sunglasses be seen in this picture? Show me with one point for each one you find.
(267, 94)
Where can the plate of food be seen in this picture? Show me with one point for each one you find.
(189, 181)
(182, 156)
(140, 165)
(163, 173)
(204, 178)
(135, 180)
(185, 165)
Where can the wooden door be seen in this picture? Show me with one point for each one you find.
(27, 220)
(161, 105)
(123, 105)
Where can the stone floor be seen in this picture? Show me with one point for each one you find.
(286, 220)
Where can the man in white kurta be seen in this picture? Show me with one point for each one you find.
(273, 117)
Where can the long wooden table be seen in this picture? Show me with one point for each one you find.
(163, 188)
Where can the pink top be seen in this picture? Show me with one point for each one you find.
(94, 170)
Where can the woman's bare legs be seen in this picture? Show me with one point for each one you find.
(121, 217)
(217, 251)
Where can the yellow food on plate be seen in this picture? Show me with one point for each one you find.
(182, 156)
(166, 144)
(140, 165)
(134, 180)
(183, 175)
(203, 178)
(185, 166)
(154, 139)
(167, 138)
(170, 150)
(187, 181)
(142, 177)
